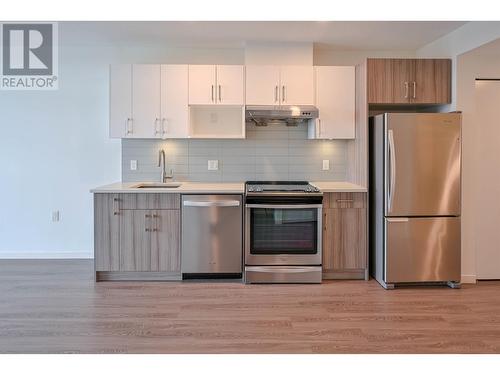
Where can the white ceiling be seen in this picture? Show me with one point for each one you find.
(339, 35)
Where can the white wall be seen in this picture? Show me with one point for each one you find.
(480, 63)
(55, 147)
(464, 39)
(468, 64)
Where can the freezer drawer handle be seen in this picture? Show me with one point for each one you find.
(211, 203)
(398, 220)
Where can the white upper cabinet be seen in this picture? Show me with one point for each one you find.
(149, 101)
(216, 84)
(279, 85)
(120, 100)
(336, 101)
(262, 85)
(174, 101)
(231, 84)
(297, 85)
(146, 102)
(202, 84)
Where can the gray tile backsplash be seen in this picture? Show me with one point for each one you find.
(275, 152)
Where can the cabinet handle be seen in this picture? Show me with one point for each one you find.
(414, 90)
(156, 126)
(127, 127)
(345, 200)
(146, 230)
(406, 90)
(212, 93)
(163, 127)
(276, 94)
(116, 199)
(319, 128)
(115, 213)
(283, 100)
(220, 95)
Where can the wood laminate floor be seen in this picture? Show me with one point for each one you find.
(54, 306)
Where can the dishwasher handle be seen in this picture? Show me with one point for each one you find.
(231, 203)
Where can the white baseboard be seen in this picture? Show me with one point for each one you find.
(47, 255)
(468, 279)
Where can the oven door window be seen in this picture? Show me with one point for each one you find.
(283, 231)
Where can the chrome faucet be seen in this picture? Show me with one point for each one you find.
(161, 163)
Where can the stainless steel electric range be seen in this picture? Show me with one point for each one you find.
(282, 232)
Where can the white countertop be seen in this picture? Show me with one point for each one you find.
(339, 187)
(185, 188)
(219, 187)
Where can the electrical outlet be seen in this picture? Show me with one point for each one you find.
(133, 165)
(326, 165)
(56, 216)
(213, 165)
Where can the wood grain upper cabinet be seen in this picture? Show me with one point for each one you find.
(216, 84)
(380, 80)
(297, 85)
(336, 101)
(344, 235)
(409, 81)
(174, 102)
(432, 83)
(262, 85)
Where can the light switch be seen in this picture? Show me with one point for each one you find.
(133, 165)
(326, 165)
(55, 216)
(213, 165)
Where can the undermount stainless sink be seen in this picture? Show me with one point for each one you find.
(158, 185)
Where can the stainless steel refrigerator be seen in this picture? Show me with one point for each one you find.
(415, 174)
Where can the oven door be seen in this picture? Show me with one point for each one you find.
(279, 234)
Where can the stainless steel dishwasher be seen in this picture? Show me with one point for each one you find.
(212, 236)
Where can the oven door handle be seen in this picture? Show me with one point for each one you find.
(286, 206)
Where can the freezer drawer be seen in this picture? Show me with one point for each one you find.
(212, 234)
(422, 249)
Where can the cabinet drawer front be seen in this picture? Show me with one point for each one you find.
(344, 200)
(147, 201)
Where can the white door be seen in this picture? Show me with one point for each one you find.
(336, 101)
(174, 101)
(145, 101)
(297, 85)
(486, 202)
(202, 84)
(262, 85)
(230, 84)
(120, 100)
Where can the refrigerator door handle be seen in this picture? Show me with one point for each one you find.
(392, 169)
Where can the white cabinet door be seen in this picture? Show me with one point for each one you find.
(262, 85)
(202, 84)
(336, 101)
(297, 85)
(145, 101)
(230, 84)
(174, 101)
(120, 100)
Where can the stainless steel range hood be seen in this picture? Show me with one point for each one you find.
(290, 115)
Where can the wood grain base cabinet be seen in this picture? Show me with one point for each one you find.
(409, 81)
(344, 236)
(137, 236)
